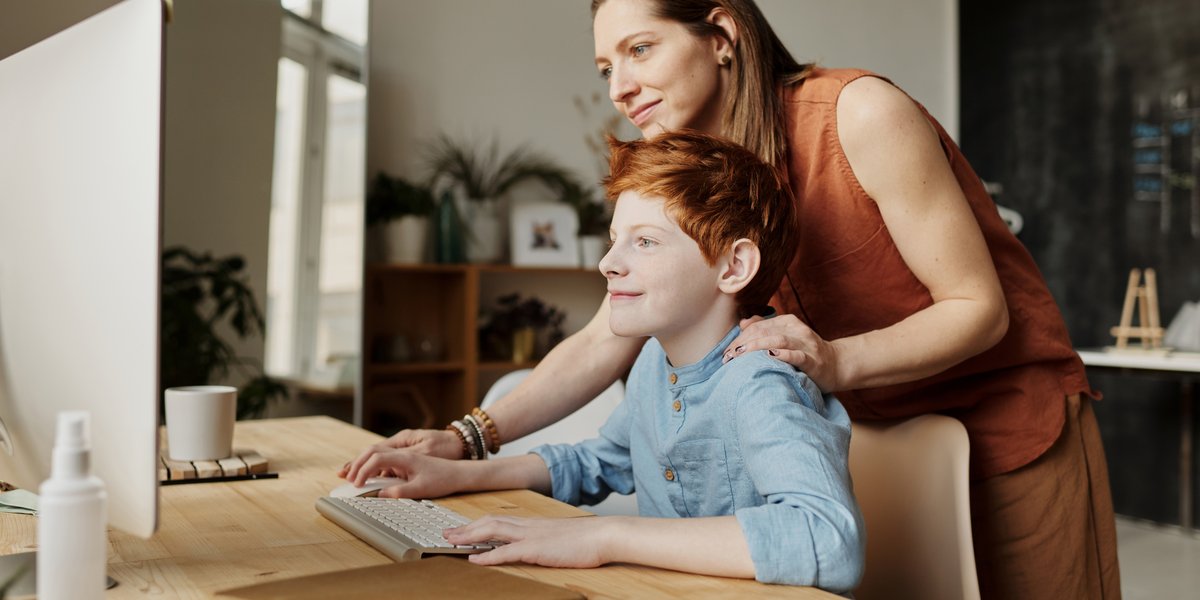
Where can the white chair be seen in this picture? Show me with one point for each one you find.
(910, 478)
(578, 426)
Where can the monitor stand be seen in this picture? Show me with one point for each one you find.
(18, 576)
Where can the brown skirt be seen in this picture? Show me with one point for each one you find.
(1046, 530)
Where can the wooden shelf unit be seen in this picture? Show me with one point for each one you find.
(441, 304)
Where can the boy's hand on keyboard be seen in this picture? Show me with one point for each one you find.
(427, 476)
(421, 441)
(575, 543)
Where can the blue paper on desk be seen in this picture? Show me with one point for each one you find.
(20, 502)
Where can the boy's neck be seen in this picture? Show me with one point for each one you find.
(688, 345)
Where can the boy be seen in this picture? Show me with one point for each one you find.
(701, 233)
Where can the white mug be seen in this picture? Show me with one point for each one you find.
(200, 422)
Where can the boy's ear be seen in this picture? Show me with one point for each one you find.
(741, 265)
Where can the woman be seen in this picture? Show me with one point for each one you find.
(907, 295)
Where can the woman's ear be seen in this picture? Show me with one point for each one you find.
(725, 45)
(741, 265)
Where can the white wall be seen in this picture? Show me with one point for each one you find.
(219, 133)
(482, 67)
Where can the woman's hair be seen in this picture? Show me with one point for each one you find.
(761, 65)
(718, 192)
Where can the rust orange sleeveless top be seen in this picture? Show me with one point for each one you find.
(849, 278)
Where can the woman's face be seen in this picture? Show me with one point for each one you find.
(660, 76)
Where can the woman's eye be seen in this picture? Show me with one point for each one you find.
(606, 73)
(641, 49)
(645, 243)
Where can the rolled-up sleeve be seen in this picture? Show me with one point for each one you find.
(809, 532)
(587, 472)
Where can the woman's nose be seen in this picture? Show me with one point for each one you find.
(621, 87)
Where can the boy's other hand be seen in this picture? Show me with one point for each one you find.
(426, 476)
(578, 542)
(433, 442)
(793, 342)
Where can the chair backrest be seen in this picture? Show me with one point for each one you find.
(910, 478)
(578, 426)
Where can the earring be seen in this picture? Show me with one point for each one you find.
(725, 60)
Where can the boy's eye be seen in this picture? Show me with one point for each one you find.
(606, 73)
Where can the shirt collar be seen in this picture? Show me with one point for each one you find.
(702, 369)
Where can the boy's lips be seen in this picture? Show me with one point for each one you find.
(621, 295)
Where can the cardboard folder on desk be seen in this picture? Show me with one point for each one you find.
(438, 577)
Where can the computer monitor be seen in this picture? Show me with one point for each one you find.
(80, 243)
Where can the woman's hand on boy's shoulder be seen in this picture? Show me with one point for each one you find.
(787, 338)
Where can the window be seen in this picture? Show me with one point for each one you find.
(314, 278)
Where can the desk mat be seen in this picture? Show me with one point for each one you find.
(438, 577)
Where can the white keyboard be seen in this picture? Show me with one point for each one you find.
(400, 528)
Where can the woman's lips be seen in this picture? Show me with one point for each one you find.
(642, 114)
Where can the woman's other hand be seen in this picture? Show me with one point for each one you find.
(790, 340)
(574, 543)
(432, 442)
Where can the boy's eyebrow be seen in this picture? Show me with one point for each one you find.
(638, 226)
(622, 43)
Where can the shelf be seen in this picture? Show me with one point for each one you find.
(482, 268)
(416, 368)
(505, 365)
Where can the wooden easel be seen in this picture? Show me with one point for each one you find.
(1145, 296)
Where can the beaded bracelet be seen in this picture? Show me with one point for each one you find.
(492, 434)
(466, 447)
(473, 447)
(480, 438)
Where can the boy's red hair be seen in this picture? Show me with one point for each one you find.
(718, 192)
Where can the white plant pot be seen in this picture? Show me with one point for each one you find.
(591, 250)
(485, 234)
(404, 240)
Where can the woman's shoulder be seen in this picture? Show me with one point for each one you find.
(826, 85)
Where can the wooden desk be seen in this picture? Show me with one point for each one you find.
(216, 536)
(1183, 366)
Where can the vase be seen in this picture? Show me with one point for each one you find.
(591, 250)
(485, 243)
(449, 248)
(404, 240)
(524, 340)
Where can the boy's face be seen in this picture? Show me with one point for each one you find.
(658, 281)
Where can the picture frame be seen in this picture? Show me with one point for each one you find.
(544, 235)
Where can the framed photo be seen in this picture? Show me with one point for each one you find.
(544, 235)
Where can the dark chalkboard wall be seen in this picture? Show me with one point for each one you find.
(1059, 98)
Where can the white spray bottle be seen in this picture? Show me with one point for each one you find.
(72, 539)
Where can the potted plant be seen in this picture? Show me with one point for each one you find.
(514, 326)
(398, 213)
(594, 219)
(483, 176)
(202, 295)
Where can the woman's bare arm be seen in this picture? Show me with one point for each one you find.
(898, 159)
(571, 375)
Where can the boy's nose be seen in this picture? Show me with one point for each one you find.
(610, 265)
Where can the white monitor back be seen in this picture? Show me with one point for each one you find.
(80, 242)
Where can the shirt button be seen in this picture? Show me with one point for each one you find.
(670, 475)
(678, 405)
(673, 378)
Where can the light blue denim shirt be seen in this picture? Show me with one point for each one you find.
(753, 438)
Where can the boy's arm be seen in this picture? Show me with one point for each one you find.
(587, 472)
(431, 477)
(796, 451)
(708, 546)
